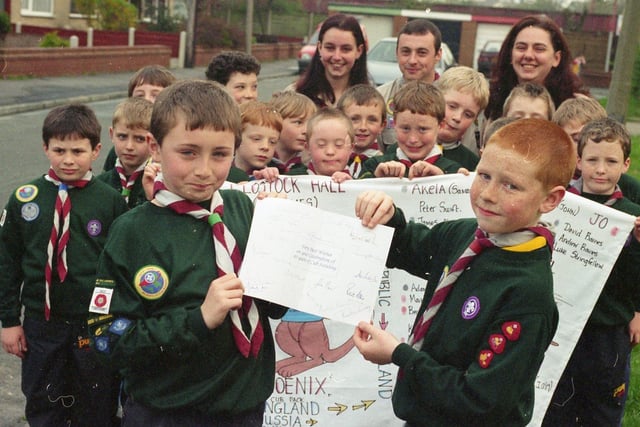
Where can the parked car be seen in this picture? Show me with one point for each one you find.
(488, 56)
(383, 65)
(307, 51)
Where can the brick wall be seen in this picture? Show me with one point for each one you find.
(39, 62)
(263, 52)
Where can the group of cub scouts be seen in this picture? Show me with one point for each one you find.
(169, 319)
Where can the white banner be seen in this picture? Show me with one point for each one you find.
(322, 379)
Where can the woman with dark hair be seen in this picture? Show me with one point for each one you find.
(340, 61)
(535, 50)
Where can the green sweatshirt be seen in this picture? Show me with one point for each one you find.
(463, 156)
(458, 377)
(26, 228)
(160, 343)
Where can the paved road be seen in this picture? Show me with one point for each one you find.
(20, 95)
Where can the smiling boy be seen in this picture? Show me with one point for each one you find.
(488, 312)
(237, 72)
(175, 298)
(419, 112)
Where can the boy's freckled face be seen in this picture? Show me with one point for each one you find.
(71, 158)
(329, 147)
(506, 195)
(416, 134)
(367, 124)
(147, 91)
(461, 111)
(602, 164)
(525, 107)
(257, 147)
(195, 163)
(131, 146)
(294, 135)
(243, 87)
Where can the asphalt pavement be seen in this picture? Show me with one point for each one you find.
(28, 94)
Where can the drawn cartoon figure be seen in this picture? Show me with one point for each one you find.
(304, 337)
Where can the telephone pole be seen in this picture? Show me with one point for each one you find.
(620, 87)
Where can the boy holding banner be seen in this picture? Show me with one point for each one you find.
(419, 110)
(486, 318)
(593, 387)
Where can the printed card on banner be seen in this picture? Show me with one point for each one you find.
(340, 387)
(315, 261)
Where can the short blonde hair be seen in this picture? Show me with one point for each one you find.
(466, 80)
(420, 98)
(363, 94)
(292, 104)
(492, 127)
(582, 109)
(329, 114)
(134, 113)
(530, 90)
(545, 144)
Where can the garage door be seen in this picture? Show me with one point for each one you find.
(485, 33)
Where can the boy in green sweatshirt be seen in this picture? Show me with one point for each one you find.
(52, 232)
(488, 312)
(171, 313)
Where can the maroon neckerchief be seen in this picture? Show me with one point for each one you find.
(284, 167)
(127, 183)
(357, 159)
(576, 188)
(227, 257)
(431, 158)
(60, 234)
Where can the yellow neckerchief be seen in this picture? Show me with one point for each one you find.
(529, 246)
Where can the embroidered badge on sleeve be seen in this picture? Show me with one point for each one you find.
(511, 330)
(497, 343)
(485, 358)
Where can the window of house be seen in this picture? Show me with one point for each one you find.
(37, 7)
